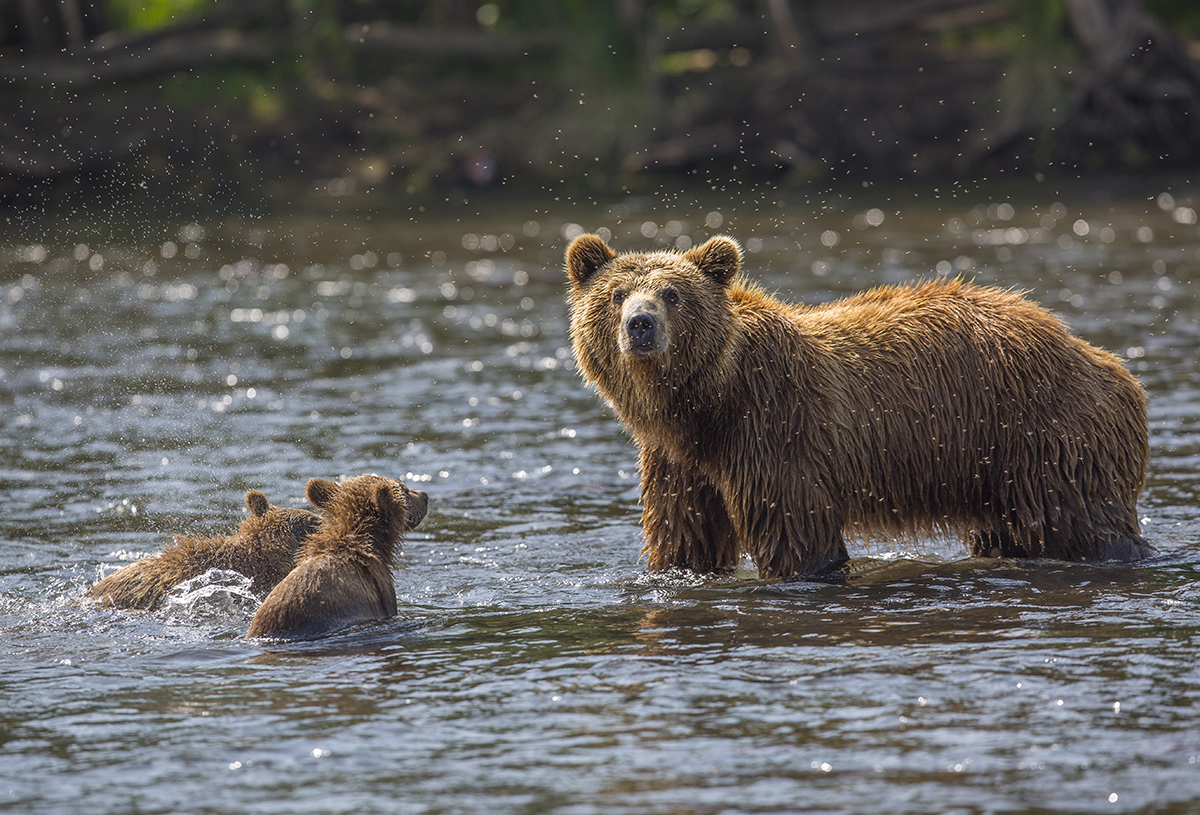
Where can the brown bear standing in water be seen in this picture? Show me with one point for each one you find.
(343, 572)
(776, 429)
(263, 549)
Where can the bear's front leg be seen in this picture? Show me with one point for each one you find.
(684, 519)
(798, 536)
(782, 559)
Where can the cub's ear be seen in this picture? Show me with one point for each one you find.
(257, 502)
(718, 257)
(387, 500)
(585, 256)
(320, 492)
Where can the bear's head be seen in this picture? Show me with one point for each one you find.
(382, 510)
(278, 524)
(639, 319)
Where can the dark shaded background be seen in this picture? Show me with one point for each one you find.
(276, 97)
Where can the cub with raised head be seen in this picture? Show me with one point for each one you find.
(263, 549)
(343, 572)
(776, 429)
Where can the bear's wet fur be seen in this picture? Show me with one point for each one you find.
(343, 572)
(778, 429)
(263, 548)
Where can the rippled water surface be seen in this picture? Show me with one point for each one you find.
(151, 371)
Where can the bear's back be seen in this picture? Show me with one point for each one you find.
(924, 331)
(325, 593)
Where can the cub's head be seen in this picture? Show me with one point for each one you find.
(382, 509)
(662, 314)
(283, 525)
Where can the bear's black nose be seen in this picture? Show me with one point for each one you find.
(641, 328)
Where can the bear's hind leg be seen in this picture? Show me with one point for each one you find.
(684, 519)
(1123, 547)
(783, 560)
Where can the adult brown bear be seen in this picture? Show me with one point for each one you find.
(776, 429)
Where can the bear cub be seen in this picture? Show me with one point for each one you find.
(263, 549)
(343, 572)
(777, 429)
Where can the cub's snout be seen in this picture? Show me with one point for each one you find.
(418, 505)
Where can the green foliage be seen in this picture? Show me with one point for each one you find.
(671, 12)
(605, 45)
(1033, 92)
(1183, 16)
(1040, 24)
(146, 15)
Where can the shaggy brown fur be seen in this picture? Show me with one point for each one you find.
(343, 573)
(263, 549)
(775, 429)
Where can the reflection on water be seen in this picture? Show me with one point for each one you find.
(151, 373)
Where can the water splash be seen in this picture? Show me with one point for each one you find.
(217, 595)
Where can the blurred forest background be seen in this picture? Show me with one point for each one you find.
(343, 97)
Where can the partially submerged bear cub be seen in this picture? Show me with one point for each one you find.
(343, 573)
(776, 429)
(263, 549)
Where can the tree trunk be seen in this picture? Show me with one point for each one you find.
(38, 26)
(73, 26)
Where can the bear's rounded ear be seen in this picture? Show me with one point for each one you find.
(386, 500)
(719, 258)
(257, 502)
(586, 255)
(320, 492)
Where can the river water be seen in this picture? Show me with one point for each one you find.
(152, 369)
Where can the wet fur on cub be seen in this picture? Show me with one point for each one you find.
(263, 549)
(777, 429)
(343, 572)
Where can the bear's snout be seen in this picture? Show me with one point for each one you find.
(418, 505)
(642, 328)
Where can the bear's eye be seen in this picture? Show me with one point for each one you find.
(670, 297)
(618, 297)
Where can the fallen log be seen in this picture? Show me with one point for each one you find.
(420, 42)
(160, 56)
